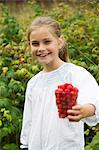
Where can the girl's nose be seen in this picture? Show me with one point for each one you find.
(41, 48)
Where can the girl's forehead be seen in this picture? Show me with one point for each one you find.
(42, 32)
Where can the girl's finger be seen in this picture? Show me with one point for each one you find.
(73, 112)
(74, 118)
(77, 107)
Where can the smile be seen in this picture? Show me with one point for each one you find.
(43, 54)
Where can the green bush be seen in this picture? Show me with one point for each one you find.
(11, 31)
(80, 28)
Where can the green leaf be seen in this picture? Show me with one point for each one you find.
(0, 123)
(95, 140)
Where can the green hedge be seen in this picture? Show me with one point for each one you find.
(80, 28)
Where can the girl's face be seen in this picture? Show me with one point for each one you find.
(45, 45)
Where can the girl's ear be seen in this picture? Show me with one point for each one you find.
(61, 41)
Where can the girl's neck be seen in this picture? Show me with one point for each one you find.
(53, 66)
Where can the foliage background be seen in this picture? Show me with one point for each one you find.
(80, 27)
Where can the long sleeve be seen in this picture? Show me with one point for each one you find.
(94, 99)
(41, 123)
(26, 125)
(90, 94)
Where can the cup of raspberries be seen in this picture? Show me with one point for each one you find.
(66, 96)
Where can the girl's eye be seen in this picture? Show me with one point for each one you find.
(35, 43)
(47, 42)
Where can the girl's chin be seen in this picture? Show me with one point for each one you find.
(44, 60)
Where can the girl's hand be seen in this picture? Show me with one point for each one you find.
(79, 112)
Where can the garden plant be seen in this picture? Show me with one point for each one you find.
(80, 27)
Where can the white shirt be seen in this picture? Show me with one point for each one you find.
(42, 129)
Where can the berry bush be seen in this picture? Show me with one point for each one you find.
(80, 26)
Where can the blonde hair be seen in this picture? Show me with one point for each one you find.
(47, 21)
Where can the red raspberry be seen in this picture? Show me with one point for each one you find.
(60, 106)
(70, 87)
(61, 87)
(66, 96)
(62, 115)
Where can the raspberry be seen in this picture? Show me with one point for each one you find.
(66, 96)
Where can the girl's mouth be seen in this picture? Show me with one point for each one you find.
(43, 54)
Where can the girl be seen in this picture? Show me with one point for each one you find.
(42, 128)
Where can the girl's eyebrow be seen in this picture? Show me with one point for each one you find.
(43, 39)
(34, 41)
(46, 39)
